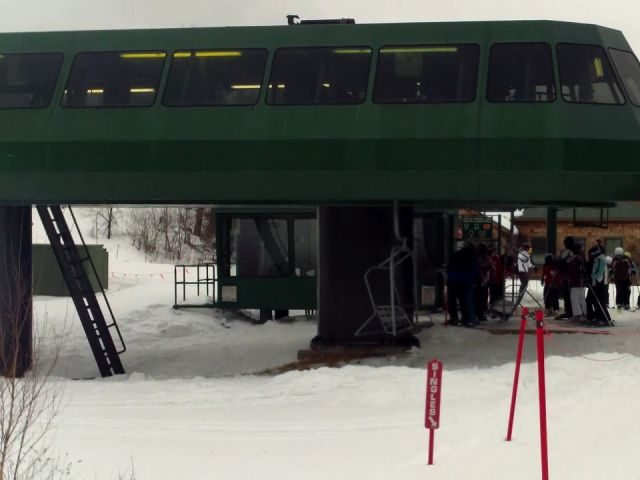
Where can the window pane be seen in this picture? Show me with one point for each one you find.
(305, 232)
(610, 244)
(427, 74)
(580, 242)
(260, 247)
(215, 77)
(28, 81)
(539, 250)
(521, 72)
(586, 75)
(114, 79)
(306, 76)
(628, 69)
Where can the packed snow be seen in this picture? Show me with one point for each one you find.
(196, 402)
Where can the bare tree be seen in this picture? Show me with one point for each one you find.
(29, 401)
(107, 215)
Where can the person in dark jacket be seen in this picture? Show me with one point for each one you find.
(575, 275)
(496, 281)
(462, 272)
(551, 281)
(622, 277)
(598, 294)
(562, 260)
(481, 290)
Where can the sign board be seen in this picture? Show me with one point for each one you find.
(428, 295)
(229, 293)
(434, 388)
(477, 228)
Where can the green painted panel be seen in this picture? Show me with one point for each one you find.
(47, 279)
(298, 293)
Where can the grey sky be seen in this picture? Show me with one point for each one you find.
(26, 15)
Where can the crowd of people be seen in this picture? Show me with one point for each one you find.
(476, 281)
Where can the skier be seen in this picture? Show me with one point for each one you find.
(462, 271)
(551, 281)
(622, 277)
(598, 295)
(564, 257)
(575, 274)
(481, 291)
(525, 265)
(496, 281)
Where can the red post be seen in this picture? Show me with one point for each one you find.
(431, 441)
(542, 394)
(516, 375)
(432, 407)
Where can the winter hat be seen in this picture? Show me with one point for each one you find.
(618, 251)
(609, 260)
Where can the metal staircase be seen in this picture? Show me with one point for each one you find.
(72, 266)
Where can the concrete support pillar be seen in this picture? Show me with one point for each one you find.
(350, 240)
(552, 230)
(16, 318)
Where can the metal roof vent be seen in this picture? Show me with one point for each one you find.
(291, 20)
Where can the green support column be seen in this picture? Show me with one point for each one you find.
(352, 239)
(16, 318)
(552, 230)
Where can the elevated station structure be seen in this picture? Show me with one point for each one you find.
(362, 122)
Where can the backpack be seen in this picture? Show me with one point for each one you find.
(620, 269)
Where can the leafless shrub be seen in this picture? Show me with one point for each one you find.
(169, 233)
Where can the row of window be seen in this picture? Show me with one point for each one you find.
(518, 72)
(539, 246)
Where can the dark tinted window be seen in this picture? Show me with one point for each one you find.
(114, 79)
(427, 74)
(586, 75)
(319, 76)
(215, 77)
(521, 72)
(28, 80)
(628, 69)
(260, 247)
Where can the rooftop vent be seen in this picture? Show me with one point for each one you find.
(295, 20)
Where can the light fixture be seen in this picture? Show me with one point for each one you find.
(143, 55)
(419, 50)
(219, 53)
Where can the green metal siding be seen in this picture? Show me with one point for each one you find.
(551, 153)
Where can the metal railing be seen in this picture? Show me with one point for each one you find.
(205, 281)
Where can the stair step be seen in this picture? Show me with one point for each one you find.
(73, 271)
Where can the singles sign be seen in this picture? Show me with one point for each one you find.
(434, 387)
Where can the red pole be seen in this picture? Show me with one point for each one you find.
(542, 395)
(516, 375)
(431, 440)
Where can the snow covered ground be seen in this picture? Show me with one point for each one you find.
(195, 406)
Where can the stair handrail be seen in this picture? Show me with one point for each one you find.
(97, 277)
